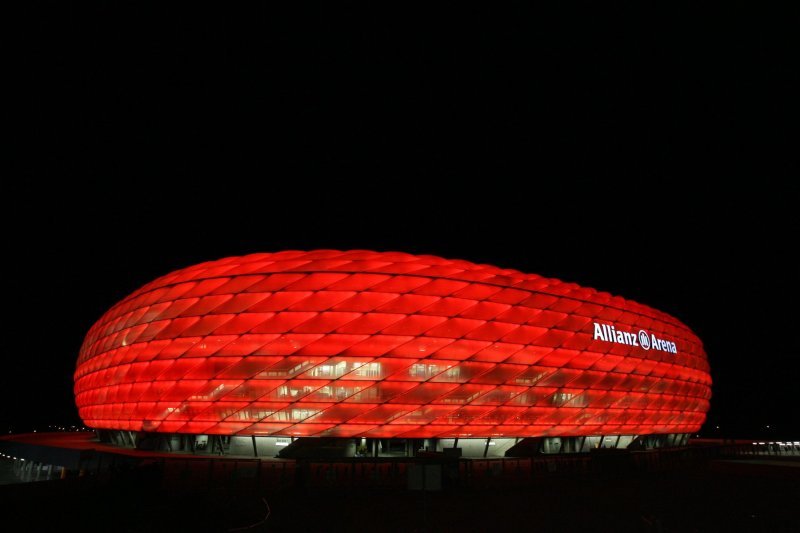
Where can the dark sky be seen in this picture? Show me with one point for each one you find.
(646, 153)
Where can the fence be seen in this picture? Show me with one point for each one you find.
(384, 473)
(190, 473)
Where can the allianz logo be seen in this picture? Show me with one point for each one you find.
(643, 339)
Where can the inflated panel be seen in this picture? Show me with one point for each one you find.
(386, 344)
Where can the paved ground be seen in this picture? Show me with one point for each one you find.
(780, 462)
(693, 500)
(7, 475)
(755, 494)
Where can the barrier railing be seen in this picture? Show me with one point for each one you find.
(393, 473)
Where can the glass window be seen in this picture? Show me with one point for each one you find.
(610, 441)
(590, 443)
(625, 440)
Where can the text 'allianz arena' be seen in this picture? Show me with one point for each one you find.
(386, 346)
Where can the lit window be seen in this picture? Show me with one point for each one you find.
(560, 398)
(369, 370)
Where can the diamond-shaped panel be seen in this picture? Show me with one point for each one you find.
(386, 344)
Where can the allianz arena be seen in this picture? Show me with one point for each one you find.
(388, 352)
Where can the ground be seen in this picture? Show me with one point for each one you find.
(718, 496)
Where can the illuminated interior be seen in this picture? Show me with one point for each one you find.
(383, 345)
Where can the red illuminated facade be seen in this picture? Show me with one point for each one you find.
(385, 345)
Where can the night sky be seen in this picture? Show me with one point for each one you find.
(638, 152)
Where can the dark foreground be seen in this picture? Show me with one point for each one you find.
(716, 496)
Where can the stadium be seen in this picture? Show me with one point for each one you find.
(362, 353)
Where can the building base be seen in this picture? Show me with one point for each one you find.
(316, 447)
